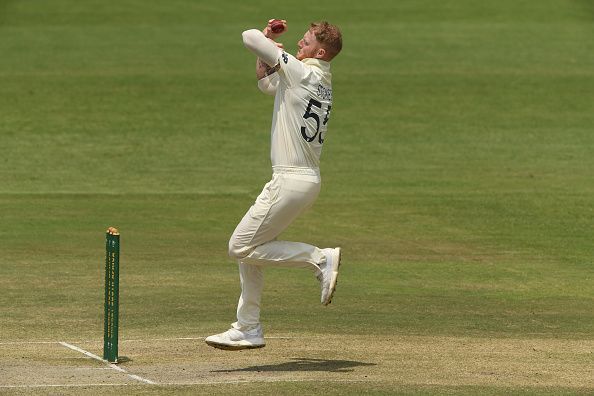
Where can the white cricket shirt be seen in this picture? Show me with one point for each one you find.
(302, 107)
(302, 104)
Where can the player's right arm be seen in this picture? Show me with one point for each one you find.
(262, 69)
(261, 46)
(267, 52)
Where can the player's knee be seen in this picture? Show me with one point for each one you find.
(238, 250)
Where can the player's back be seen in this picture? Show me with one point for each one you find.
(301, 112)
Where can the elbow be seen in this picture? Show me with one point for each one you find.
(245, 36)
(248, 37)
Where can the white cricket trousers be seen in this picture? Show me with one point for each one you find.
(253, 243)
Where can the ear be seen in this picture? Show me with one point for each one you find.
(320, 54)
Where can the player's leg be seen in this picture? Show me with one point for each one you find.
(248, 307)
(253, 244)
(325, 263)
(246, 333)
(281, 202)
(254, 240)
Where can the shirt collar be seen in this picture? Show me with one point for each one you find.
(320, 64)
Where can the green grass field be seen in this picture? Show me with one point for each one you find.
(458, 178)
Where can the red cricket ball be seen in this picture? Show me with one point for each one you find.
(277, 26)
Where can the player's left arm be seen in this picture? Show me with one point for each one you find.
(267, 78)
(269, 84)
(263, 70)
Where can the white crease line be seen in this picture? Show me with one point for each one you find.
(113, 366)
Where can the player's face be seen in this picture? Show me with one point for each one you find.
(308, 46)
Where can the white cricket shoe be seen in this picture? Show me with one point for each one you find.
(329, 274)
(234, 339)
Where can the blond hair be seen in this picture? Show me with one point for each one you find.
(329, 36)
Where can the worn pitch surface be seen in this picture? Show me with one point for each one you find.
(385, 362)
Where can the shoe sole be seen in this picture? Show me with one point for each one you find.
(227, 347)
(334, 280)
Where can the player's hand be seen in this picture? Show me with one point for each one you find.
(275, 28)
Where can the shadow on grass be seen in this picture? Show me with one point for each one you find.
(305, 364)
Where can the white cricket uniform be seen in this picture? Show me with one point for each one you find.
(302, 105)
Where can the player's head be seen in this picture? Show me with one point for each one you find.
(322, 41)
